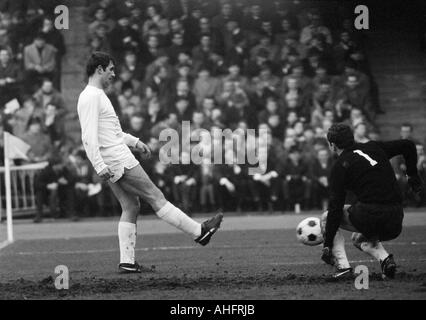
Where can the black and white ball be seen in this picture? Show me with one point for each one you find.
(309, 232)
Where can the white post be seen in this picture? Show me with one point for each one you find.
(8, 188)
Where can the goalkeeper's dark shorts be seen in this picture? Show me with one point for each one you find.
(377, 221)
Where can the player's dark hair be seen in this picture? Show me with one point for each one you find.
(341, 135)
(97, 59)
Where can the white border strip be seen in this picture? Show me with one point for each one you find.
(177, 248)
(421, 259)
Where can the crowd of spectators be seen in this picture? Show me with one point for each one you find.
(290, 67)
(31, 50)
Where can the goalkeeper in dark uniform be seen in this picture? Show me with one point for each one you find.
(365, 170)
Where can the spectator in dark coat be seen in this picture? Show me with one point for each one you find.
(138, 127)
(81, 175)
(219, 22)
(123, 38)
(182, 109)
(54, 185)
(185, 184)
(10, 77)
(225, 186)
(320, 171)
(40, 143)
(53, 124)
(47, 94)
(201, 53)
(294, 173)
(99, 40)
(101, 18)
(357, 96)
(183, 92)
(176, 47)
(253, 22)
(132, 64)
(56, 39)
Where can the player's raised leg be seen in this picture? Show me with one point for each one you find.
(135, 181)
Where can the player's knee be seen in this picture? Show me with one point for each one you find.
(391, 234)
(132, 209)
(363, 243)
(397, 232)
(357, 238)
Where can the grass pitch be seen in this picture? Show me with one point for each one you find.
(252, 257)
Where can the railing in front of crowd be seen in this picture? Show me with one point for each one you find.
(22, 188)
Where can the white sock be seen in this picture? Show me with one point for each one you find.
(376, 250)
(339, 251)
(180, 220)
(127, 240)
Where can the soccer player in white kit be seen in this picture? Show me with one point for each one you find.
(107, 148)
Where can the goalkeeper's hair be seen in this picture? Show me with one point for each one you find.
(341, 135)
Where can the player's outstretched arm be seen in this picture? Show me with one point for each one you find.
(403, 147)
(336, 204)
(407, 149)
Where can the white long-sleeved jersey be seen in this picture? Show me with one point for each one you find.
(103, 139)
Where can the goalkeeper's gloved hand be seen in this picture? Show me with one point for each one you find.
(416, 184)
(327, 256)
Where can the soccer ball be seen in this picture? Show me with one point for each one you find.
(309, 232)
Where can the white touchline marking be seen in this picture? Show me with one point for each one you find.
(351, 261)
(29, 253)
(174, 248)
